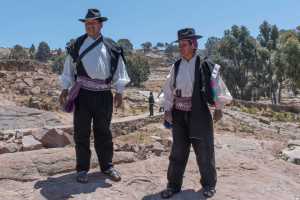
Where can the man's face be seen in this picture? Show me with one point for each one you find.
(93, 27)
(186, 48)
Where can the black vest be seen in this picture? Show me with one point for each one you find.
(114, 50)
(204, 68)
(201, 124)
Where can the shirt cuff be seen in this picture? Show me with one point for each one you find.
(64, 83)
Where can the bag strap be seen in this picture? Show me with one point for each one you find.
(93, 45)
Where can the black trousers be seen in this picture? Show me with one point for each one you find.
(93, 107)
(151, 109)
(203, 148)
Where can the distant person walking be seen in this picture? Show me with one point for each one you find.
(94, 65)
(151, 103)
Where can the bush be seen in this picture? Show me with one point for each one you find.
(18, 53)
(138, 69)
(58, 64)
(43, 52)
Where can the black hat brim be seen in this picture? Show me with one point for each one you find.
(101, 19)
(189, 37)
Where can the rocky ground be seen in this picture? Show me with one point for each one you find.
(248, 168)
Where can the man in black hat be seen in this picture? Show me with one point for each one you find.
(94, 65)
(187, 93)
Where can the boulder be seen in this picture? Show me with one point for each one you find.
(292, 155)
(52, 138)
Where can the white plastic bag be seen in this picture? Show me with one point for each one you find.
(221, 94)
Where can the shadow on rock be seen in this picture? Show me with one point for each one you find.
(64, 187)
(185, 194)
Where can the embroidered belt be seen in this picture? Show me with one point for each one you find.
(84, 83)
(183, 103)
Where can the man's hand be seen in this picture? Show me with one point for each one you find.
(118, 100)
(218, 114)
(168, 116)
(63, 97)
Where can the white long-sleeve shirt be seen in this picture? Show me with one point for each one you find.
(184, 82)
(97, 65)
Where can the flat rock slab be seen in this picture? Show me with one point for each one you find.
(243, 173)
(33, 165)
(16, 117)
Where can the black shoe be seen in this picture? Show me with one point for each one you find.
(113, 174)
(82, 177)
(209, 192)
(168, 193)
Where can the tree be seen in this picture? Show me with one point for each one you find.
(268, 39)
(58, 63)
(32, 51)
(43, 52)
(160, 45)
(18, 53)
(291, 50)
(138, 69)
(265, 32)
(171, 49)
(258, 67)
(237, 48)
(211, 46)
(126, 45)
(146, 46)
(59, 52)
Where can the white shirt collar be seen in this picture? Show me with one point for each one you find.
(192, 60)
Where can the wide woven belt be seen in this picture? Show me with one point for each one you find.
(84, 83)
(183, 103)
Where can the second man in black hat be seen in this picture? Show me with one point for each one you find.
(187, 93)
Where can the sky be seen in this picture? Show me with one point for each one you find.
(27, 22)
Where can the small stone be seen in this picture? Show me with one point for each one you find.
(157, 148)
(36, 90)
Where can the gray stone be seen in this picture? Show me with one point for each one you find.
(36, 90)
(29, 143)
(292, 155)
(123, 157)
(157, 148)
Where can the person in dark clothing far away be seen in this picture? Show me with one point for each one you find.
(151, 103)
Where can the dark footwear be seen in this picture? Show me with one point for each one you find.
(209, 192)
(113, 174)
(82, 177)
(168, 193)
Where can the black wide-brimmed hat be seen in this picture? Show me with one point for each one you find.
(93, 13)
(187, 33)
